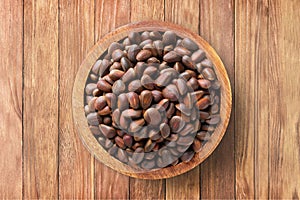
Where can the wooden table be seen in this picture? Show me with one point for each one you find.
(42, 44)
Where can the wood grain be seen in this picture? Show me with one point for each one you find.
(186, 14)
(245, 90)
(185, 186)
(217, 27)
(11, 51)
(147, 10)
(57, 35)
(261, 137)
(147, 189)
(109, 15)
(142, 10)
(76, 28)
(284, 96)
(40, 99)
(252, 51)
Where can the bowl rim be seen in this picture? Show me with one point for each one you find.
(90, 141)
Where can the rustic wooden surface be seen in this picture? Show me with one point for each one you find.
(42, 44)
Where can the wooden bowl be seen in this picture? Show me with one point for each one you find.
(78, 101)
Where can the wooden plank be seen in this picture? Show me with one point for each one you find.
(147, 10)
(284, 121)
(251, 94)
(76, 37)
(147, 189)
(245, 88)
(11, 42)
(261, 137)
(40, 99)
(185, 186)
(186, 14)
(109, 15)
(217, 27)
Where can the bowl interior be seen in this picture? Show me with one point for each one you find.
(90, 141)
